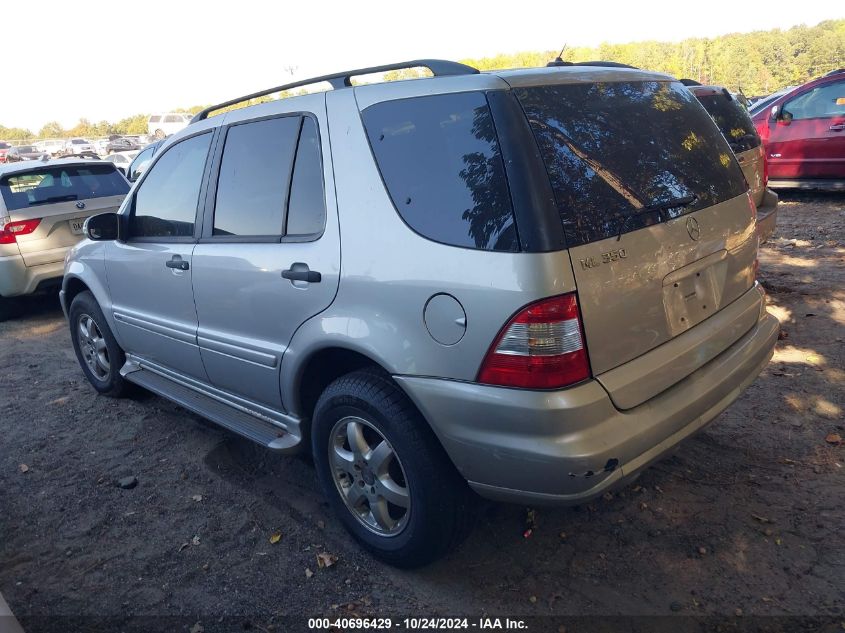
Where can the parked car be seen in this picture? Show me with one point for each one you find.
(54, 147)
(121, 160)
(78, 146)
(23, 152)
(162, 125)
(121, 144)
(803, 132)
(488, 283)
(141, 161)
(736, 126)
(4, 149)
(43, 205)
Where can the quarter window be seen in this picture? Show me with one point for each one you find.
(166, 202)
(252, 188)
(440, 160)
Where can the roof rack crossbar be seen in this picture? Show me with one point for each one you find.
(438, 67)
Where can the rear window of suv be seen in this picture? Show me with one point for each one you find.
(61, 184)
(440, 160)
(614, 150)
(733, 121)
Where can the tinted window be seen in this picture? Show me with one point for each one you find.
(155, 119)
(440, 160)
(821, 102)
(140, 163)
(613, 149)
(173, 118)
(61, 184)
(252, 187)
(733, 121)
(307, 207)
(166, 201)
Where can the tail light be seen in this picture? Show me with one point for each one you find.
(751, 206)
(765, 166)
(541, 347)
(9, 231)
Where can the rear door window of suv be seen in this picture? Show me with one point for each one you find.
(252, 187)
(48, 185)
(442, 165)
(733, 121)
(165, 204)
(614, 149)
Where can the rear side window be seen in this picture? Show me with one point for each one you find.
(614, 150)
(61, 184)
(733, 121)
(252, 188)
(440, 160)
(166, 201)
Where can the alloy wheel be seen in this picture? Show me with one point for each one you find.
(93, 347)
(369, 476)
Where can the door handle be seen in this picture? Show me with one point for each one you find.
(300, 272)
(837, 126)
(177, 262)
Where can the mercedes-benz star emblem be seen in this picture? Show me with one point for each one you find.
(80, 205)
(693, 229)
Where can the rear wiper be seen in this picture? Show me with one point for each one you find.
(657, 207)
(65, 198)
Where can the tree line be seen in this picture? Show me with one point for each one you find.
(756, 63)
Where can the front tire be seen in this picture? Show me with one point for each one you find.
(384, 472)
(96, 349)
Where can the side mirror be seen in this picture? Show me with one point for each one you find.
(775, 111)
(102, 227)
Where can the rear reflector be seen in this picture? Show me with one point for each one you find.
(9, 231)
(540, 348)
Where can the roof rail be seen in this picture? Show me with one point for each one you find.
(834, 72)
(690, 82)
(438, 67)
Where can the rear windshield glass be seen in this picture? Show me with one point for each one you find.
(618, 154)
(733, 121)
(61, 184)
(440, 159)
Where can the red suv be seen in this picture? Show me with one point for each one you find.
(4, 149)
(803, 132)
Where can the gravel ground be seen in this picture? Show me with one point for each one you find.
(746, 519)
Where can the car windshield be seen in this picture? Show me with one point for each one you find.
(599, 142)
(58, 184)
(4, 146)
(79, 141)
(25, 149)
(755, 107)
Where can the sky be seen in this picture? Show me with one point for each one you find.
(109, 59)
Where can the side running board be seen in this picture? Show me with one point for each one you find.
(255, 428)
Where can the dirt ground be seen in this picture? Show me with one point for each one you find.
(747, 519)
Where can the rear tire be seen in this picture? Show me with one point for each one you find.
(96, 349)
(398, 494)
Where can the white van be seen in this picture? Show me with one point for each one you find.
(161, 125)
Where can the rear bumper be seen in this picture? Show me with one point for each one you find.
(568, 446)
(16, 278)
(767, 215)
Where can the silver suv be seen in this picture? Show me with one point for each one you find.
(43, 205)
(529, 284)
